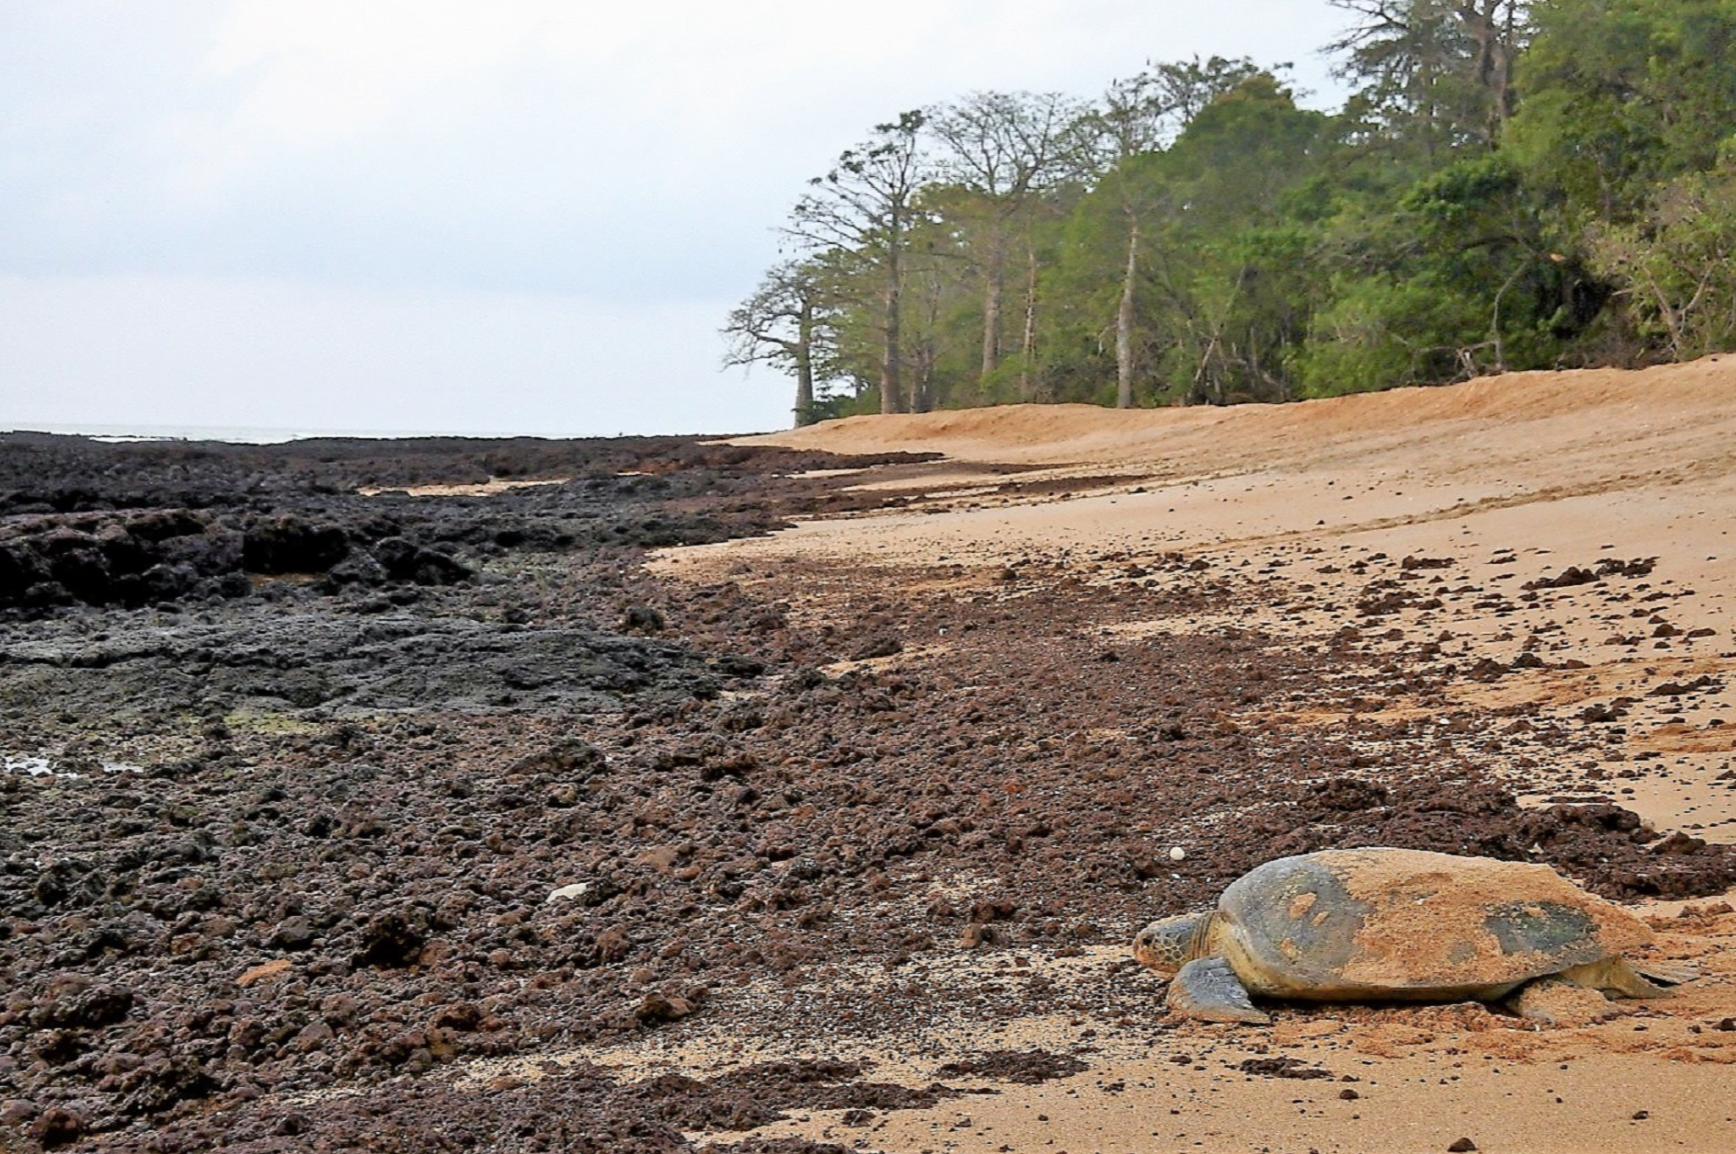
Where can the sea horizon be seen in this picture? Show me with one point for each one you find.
(259, 434)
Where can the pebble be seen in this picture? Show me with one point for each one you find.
(1176, 853)
(567, 893)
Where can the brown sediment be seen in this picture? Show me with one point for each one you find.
(1429, 919)
(891, 791)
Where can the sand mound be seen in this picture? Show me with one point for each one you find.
(1088, 434)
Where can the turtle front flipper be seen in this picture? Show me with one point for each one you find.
(1555, 1001)
(1208, 989)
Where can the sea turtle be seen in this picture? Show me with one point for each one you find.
(1400, 925)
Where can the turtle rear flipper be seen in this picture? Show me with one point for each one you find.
(1208, 989)
(1664, 974)
(1619, 978)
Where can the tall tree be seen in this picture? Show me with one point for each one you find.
(1005, 150)
(1436, 74)
(866, 205)
(1136, 118)
(1240, 307)
(785, 323)
(1624, 95)
(1514, 184)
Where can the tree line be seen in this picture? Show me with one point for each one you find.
(1510, 185)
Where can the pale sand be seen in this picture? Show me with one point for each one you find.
(1559, 469)
(1423, 1076)
(489, 488)
(1513, 478)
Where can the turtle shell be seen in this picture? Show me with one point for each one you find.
(1404, 923)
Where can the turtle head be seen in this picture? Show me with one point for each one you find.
(1168, 944)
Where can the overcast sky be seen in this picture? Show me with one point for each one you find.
(471, 215)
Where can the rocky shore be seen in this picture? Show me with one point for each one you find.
(346, 810)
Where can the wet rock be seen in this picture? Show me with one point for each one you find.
(58, 1126)
(293, 933)
(404, 560)
(391, 941)
(358, 569)
(78, 1001)
(659, 1008)
(291, 544)
(1026, 1067)
(642, 619)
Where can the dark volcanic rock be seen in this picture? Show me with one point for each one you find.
(1028, 1067)
(294, 861)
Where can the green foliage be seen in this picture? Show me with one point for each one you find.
(1676, 265)
(1621, 95)
(1511, 186)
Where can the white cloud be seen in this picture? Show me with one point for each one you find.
(182, 352)
(637, 153)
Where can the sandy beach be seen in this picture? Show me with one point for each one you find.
(804, 795)
(1481, 496)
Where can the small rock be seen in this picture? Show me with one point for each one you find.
(567, 893)
(877, 647)
(58, 1126)
(313, 1036)
(642, 619)
(1461, 1146)
(17, 1113)
(663, 1008)
(1176, 853)
(390, 941)
(1349, 1095)
(296, 933)
(73, 1000)
(614, 944)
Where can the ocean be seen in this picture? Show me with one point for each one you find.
(120, 434)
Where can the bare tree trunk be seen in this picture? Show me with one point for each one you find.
(1124, 323)
(891, 379)
(991, 318)
(922, 387)
(1028, 346)
(802, 352)
(804, 393)
(1490, 26)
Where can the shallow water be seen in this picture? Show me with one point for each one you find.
(39, 765)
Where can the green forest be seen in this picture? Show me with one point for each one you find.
(1509, 186)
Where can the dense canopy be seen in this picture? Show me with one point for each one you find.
(1511, 186)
